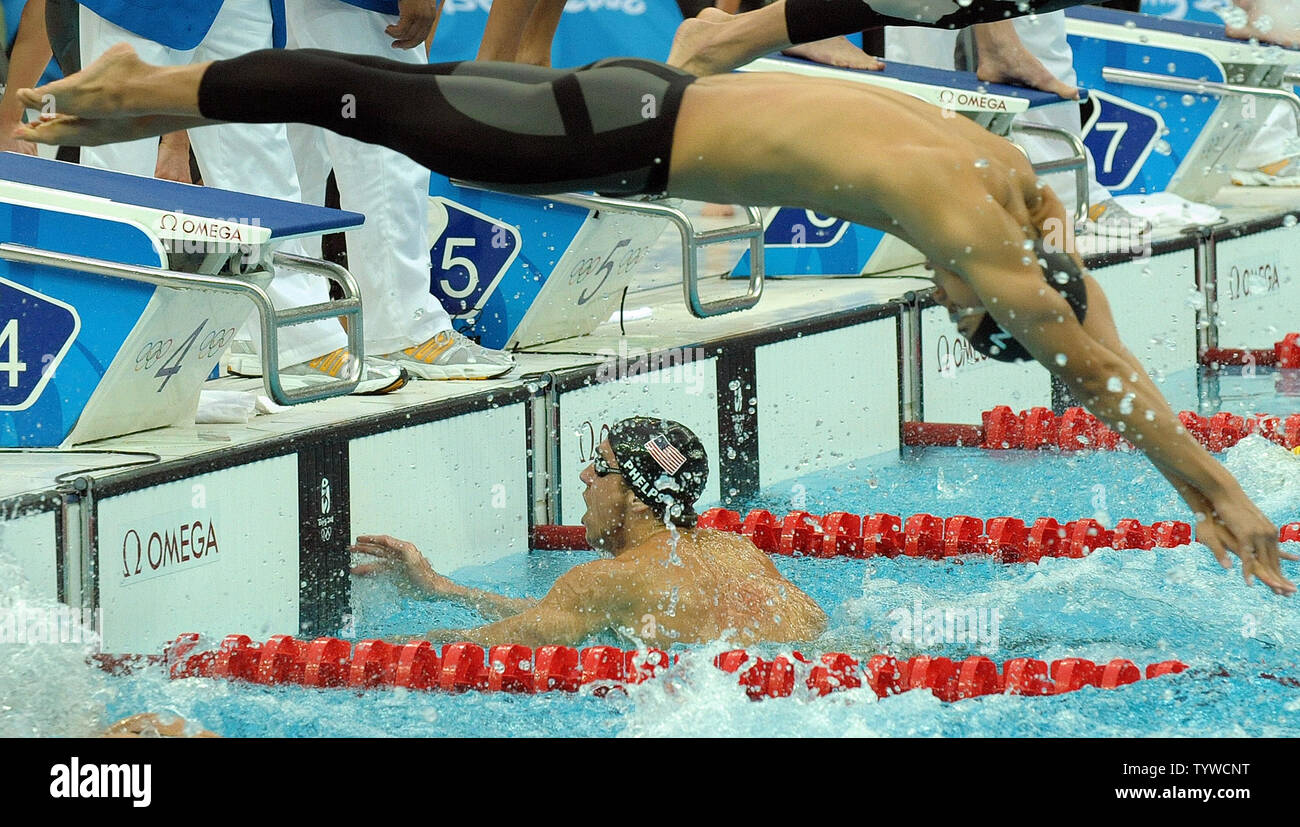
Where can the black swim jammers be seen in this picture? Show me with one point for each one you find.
(516, 128)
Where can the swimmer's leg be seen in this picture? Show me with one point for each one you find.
(709, 46)
(526, 129)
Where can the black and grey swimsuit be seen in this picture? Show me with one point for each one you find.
(517, 128)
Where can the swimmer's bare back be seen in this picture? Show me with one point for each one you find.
(711, 585)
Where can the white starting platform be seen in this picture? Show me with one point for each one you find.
(120, 293)
(1175, 102)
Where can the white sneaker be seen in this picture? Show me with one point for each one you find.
(378, 376)
(1108, 218)
(1282, 173)
(450, 355)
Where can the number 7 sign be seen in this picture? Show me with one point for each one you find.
(1120, 135)
(35, 334)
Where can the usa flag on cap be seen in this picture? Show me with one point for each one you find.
(668, 457)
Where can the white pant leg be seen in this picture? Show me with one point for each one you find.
(97, 35)
(1276, 139)
(1044, 37)
(389, 256)
(256, 159)
(920, 46)
(311, 159)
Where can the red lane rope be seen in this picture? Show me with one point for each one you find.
(330, 662)
(843, 534)
(1077, 430)
(1283, 354)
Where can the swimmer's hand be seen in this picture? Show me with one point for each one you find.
(398, 555)
(1235, 525)
(416, 19)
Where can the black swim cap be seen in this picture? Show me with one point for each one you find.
(1062, 273)
(663, 463)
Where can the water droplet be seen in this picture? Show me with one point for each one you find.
(1061, 360)
(1114, 384)
(981, 163)
(1289, 221)
(1188, 100)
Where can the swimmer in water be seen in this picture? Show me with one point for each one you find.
(968, 200)
(668, 581)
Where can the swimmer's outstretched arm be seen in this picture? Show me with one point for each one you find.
(398, 555)
(986, 250)
(584, 601)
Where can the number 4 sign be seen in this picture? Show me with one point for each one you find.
(35, 334)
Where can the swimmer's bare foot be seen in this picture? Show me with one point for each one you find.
(1273, 21)
(96, 91)
(692, 41)
(69, 130)
(718, 210)
(121, 86)
(836, 51)
(1004, 59)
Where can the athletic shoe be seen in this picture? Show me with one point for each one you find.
(378, 375)
(1108, 218)
(1283, 173)
(450, 355)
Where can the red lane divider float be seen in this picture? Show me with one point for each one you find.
(462, 667)
(1284, 354)
(1078, 430)
(842, 534)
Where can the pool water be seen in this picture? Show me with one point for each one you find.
(1243, 644)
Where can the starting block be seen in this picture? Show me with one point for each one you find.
(516, 271)
(119, 294)
(802, 243)
(1174, 101)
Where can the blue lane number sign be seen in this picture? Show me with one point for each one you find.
(35, 334)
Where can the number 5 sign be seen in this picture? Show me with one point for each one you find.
(470, 253)
(35, 334)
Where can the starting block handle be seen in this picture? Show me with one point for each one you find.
(347, 308)
(271, 319)
(1201, 87)
(1077, 161)
(692, 241)
(1291, 77)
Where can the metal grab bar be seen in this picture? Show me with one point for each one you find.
(1175, 84)
(1077, 161)
(272, 320)
(692, 240)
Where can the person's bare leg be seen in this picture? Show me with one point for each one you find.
(539, 33)
(710, 45)
(504, 31)
(1003, 58)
